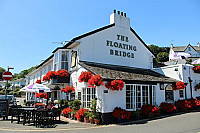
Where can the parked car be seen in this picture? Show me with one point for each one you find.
(11, 99)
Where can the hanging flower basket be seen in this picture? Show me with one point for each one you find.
(178, 86)
(62, 73)
(115, 85)
(196, 69)
(38, 81)
(41, 95)
(95, 80)
(68, 89)
(85, 76)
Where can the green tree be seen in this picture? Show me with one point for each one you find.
(2, 70)
(155, 49)
(162, 57)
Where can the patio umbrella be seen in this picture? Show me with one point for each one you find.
(181, 55)
(35, 88)
(196, 61)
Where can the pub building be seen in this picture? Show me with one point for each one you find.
(114, 52)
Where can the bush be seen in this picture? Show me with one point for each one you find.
(149, 109)
(167, 107)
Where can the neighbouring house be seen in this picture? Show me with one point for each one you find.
(193, 51)
(18, 83)
(113, 52)
(186, 74)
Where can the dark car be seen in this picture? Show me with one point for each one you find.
(11, 98)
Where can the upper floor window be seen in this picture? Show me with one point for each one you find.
(189, 49)
(56, 62)
(64, 60)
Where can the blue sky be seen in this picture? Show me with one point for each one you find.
(28, 27)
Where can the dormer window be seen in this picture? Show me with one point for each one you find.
(64, 60)
(56, 61)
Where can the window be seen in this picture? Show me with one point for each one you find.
(181, 94)
(87, 96)
(169, 95)
(79, 95)
(189, 49)
(137, 95)
(56, 62)
(64, 60)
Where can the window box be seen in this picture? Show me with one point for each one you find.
(58, 79)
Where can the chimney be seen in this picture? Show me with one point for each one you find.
(171, 45)
(198, 44)
(120, 19)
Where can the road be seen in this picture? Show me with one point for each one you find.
(184, 123)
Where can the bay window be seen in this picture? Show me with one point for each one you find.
(137, 95)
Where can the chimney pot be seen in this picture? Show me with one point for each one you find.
(124, 14)
(114, 11)
(118, 12)
(121, 13)
(198, 44)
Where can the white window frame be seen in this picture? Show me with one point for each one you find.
(65, 61)
(134, 102)
(85, 95)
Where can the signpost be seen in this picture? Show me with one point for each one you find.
(7, 76)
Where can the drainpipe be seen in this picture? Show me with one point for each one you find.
(190, 81)
(185, 91)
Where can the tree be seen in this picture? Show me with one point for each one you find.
(162, 57)
(155, 49)
(2, 70)
(22, 73)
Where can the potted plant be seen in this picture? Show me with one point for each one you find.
(96, 118)
(91, 117)
(86, 116)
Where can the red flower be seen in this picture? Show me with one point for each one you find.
(41, 95)
(121, 113)
(80, 113)
(196, 69)
(38, 81)
(115, 85)
(146, 109)
(68, 89)
(95, 80)
(66, 110)
(62, 73)
(45, 78)
(179, 85)
(85, 76)
(50, 74)
(167, 107)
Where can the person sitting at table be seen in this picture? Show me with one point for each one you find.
(50, 105)
(55, 104)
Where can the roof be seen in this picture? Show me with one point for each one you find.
(183, 48)
(19, 80)
(110, 72)
(45, 61)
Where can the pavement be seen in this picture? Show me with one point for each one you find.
(179, 123)
(65, 124)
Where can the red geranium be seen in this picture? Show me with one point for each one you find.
(196, 69)
(38, 81)
(51, 74)
(80, 113)
(167, 107)
(179, 85)
(95, 80)
(68, 89)
(85, 76)
(146, 109)
(62, 73)
(183, 105)
(115, 85)
(41, 95)
(45, 78)
(66, 110)
(121, 113)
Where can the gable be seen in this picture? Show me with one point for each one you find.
(116, 45)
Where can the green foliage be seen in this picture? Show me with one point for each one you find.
(162, 57)
(22, 73)
(2, 70)
(93, 108)
(161, 53)
(75, 104)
